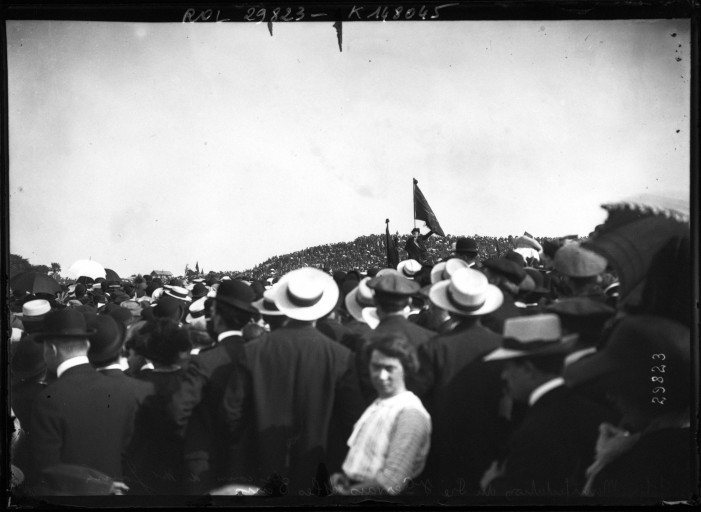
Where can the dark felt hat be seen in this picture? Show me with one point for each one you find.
(466, 245)
(64, 323)
(516, 257)
(512, 271)
(168, 307)
(106, 343)
(199, 291)
(237, 294)
(28, 359)
(631, 346)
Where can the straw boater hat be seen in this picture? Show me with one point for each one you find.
(195, 314)
(531, 336)
(306, 294)
(266, 305)
(359, 298)
(466, 293)
(443, 270)
(34, 310)
(408, 268)
(178, 292)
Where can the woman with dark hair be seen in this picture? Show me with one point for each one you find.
(391, 440)
(157, 452)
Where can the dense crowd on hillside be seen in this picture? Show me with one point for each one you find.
(367, 252)
(479, 369)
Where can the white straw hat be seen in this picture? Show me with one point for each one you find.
(466, 293)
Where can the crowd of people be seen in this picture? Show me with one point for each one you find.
(556, 370)
(367, 252)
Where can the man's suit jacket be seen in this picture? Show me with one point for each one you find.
(461, 393)
(553, 446)
(83, 418)
(194, 408)
(297, 392)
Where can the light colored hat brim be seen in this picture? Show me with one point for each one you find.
(263, 311)
(328, 300)
(355, 309)
(563, 347)
(439, 296)
(370, 317)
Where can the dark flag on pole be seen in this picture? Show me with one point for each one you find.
(392, 251)
(422, 211)
(197, 267)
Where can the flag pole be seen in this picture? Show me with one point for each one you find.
(413, 195)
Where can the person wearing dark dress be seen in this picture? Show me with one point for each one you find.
(157, 460)
(415, 245)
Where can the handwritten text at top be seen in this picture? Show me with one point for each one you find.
(282, 14)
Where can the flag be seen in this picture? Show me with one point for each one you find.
(197, 267)
(422, 211)
(392, 251)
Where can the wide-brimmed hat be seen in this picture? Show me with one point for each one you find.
(178, 292)
(306, 294)
(573, 260)
(167, 307)
(512, 271)
(196, 310)
(106, 343)
(466, 245)
(237, 294)
(64, 323)
(266, 305)
(527, 241)
(532, 336)
(444, 269)
(408, 268)
(631, 346)
(466, 293)
(360, 297)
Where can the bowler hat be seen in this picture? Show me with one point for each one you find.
(532, 336)
(106, 343)
(62, 324)
(466, 245)
(237, 294)
(199, 290)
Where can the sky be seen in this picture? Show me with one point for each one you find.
(152, 146)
